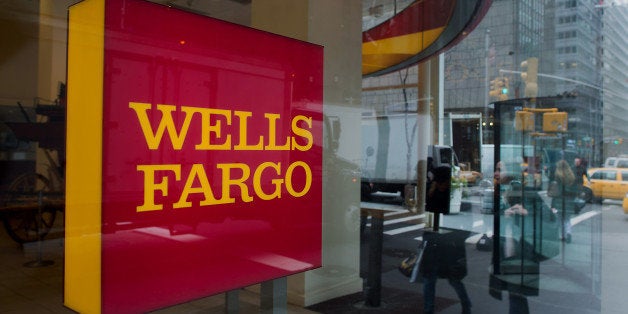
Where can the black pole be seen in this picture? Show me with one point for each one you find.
(374, 278)
(496, 190)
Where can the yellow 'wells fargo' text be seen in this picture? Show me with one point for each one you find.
(221, 141)
(214, 135)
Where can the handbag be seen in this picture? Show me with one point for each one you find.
(409, 266)
(485, 243)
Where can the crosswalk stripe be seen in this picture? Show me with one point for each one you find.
(398, 220)
(397, 213)
(380, 206)
(582, 217)
(405, 229)
(404, 219)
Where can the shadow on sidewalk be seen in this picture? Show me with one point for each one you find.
(393, 301)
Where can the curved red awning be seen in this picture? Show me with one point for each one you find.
(424, 28)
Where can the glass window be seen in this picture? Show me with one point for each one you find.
(609, 175)
(596, 175)
(479, 146)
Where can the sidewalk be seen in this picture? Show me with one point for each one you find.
(563, 288)
(560, 286)
(398, 295)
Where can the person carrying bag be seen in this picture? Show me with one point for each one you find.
(444, 256)
(564, 191)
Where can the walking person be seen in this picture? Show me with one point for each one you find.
(563, 190)
(444, 255)
(579, 170)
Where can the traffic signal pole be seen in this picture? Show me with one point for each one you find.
(554, 77)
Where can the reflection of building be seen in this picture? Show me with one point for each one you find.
(560, 34)
(615, 68)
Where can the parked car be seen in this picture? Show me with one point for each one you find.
(607, 183)
(616, 162)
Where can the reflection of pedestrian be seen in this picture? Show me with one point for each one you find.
(512, 210)
(564, 201)
(528, 234)
(501, 176)
(579, 170)
(511, 207)
(444, 257)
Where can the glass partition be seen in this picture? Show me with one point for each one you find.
(536, 88)
(537, 202)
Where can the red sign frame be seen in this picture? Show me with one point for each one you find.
(210, 149)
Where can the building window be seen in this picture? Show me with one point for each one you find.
(567, 19)
(568, 34)
(571, 4)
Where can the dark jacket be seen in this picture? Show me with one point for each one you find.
(580, 172)
(567, 196)
(444, 255)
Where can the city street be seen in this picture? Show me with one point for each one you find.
(587, 272)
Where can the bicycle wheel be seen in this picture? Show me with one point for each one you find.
(25, 219)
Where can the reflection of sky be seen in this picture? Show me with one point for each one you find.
(371, 19)
(615, 2)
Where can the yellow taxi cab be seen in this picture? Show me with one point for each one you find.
(470, 176)
(624, 204)
(607, 183)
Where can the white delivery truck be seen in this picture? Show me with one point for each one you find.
(390, 153)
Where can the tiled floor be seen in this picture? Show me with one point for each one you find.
(40, 289)
(35, 289)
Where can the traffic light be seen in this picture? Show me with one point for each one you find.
(524, 121)
(555, 121)
(499, 88)
(494, 89)
(529, 76)
(504, 91)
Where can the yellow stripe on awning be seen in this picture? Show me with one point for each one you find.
(381, 54)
